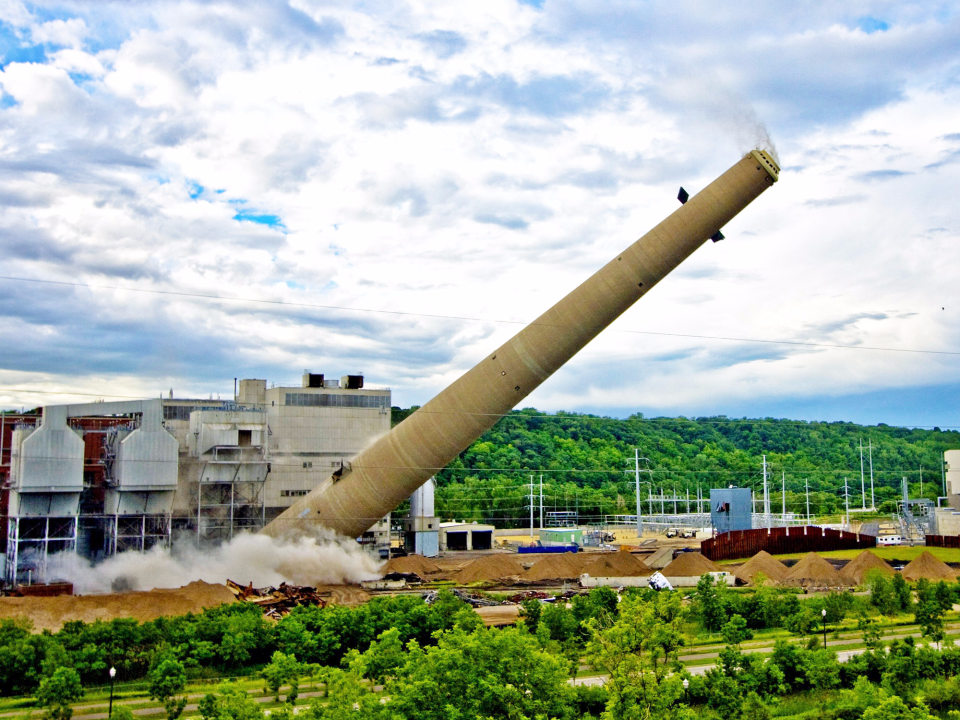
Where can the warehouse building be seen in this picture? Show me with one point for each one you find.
(101, 478)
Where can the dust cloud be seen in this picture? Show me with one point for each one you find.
(324, 560)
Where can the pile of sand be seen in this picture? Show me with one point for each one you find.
(927, 566)
(565, 566)
(690, 565)
(491, 567)
(856, 570)
(762, 562)
(815, 571)
(345, 595)
(50, 613)
(618, 564)
(416, 564)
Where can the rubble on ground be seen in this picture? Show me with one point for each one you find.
(277, 601)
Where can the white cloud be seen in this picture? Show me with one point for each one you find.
(475, 161)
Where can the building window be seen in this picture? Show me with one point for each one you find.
(346, 400)
(293, 493)
(244, 438)
(308, 465)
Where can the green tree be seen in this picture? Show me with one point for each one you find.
(822, 669)
(735, 631)
(709, 604)
(283, 669)
(384, 657)
(901, 592)
(882, 595)
(59, 691)
(491, 674)
(754, 709)
(229, 703)
(894, 708)
(167, 680)
(122, 712)
(639, 654)
(928, 614)
(872, 634)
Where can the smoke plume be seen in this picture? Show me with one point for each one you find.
(247, 558)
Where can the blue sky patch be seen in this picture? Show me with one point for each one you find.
(271, 221)
(871, 25)
(195, 190)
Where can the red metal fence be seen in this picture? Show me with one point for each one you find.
(950, 541)
(782, 540)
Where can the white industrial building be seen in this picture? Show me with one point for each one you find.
(106, 477)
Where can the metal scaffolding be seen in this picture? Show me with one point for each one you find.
(231, 499)
(31, 541)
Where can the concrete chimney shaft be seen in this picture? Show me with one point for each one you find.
(387, 472)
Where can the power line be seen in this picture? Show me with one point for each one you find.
(234, 298)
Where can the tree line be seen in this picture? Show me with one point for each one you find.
(583, 459)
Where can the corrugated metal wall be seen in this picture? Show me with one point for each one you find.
(947, 541)
(781, 541)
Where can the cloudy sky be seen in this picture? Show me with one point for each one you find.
(401, 185)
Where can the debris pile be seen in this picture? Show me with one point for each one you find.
(277, 601)
(763, 562)
(530, 595)
(856, 570)
(690, 565)
(472, 599)
(927, 566)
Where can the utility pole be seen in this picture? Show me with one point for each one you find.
(806, 485)
(766, 496)
(921, 479)
(636, 477)
(531, 506)
(846, 496)
(783, 486)
(863, 487)
(541, 503)
(873, 502)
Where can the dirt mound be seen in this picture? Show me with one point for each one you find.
(416, 564)
(927, 566)
(690, 565)
(346, 595)
(762, 562)
(856, 570)
(50, 613)
(491, 567)
(555, 567)
(815, 571)
(618, 564)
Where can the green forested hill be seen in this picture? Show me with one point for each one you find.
(583, 459)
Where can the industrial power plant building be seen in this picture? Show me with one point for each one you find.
(105, 477)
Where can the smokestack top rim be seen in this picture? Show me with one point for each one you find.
(767, 163)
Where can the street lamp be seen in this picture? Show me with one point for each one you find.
(823, 614)
(686, 686)
(113, 674)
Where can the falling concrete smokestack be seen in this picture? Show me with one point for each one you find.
(387, 472)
